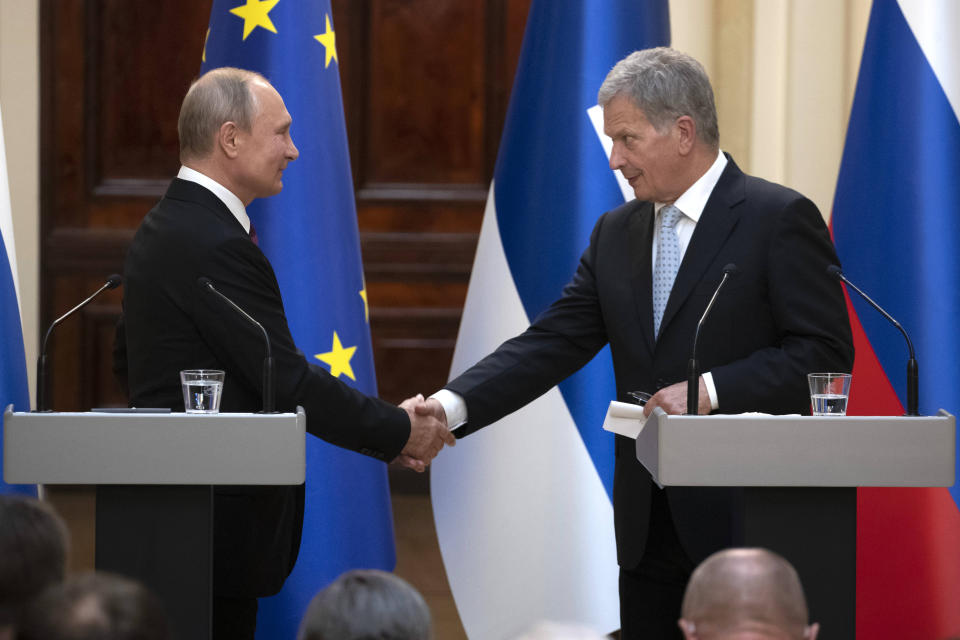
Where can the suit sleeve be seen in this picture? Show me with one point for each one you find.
(558, 342)
(335, 411)
(810, 316)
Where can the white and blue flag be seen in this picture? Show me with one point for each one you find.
(13, 363)
(523, 508)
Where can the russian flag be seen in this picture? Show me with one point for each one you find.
(13, 362)
(523, 508)
(896, 223)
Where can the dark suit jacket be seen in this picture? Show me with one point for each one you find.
(779, 319)
(171, 324)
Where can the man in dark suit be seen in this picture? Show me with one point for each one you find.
(642, 286)
(234, 145)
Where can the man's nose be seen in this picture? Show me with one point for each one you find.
(293, 153)
(615, 160)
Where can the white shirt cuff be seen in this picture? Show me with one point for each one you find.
(454, 406)
(711, 390)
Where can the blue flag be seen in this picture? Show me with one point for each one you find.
(530, 497)
(309, 233)
(13, 364)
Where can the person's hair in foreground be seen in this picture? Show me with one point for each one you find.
(745, 593)
(96, 606)
(367, 605)
(33, 553)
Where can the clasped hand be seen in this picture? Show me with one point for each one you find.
(428, 432)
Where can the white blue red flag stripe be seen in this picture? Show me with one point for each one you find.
(523, 508)
(896, 224)
(309, 232)
(13, 364)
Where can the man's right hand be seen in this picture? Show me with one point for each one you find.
(428, 432)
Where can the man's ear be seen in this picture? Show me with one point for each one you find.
(686, 132)
(688, 628)
(810, 633)
(228, 139)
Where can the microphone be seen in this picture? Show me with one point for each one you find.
(112, 282)
(269, 395)
(913, 375)
(693, 367)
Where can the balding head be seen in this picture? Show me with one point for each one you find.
(218, 96)
(748, 594)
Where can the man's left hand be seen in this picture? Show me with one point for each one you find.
(673, 399)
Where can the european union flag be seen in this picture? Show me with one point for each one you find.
(309, 233)
(13, 364)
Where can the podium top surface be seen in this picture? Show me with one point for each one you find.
(802, 451)
(154, 448)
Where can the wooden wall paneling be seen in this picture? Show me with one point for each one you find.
(112, 77)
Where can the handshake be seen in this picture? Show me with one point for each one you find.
(428, 432)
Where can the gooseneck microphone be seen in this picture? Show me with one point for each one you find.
(112, 283)
(913, 374)
(269, 394)
(693, 367)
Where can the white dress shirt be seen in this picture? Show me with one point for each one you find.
(691, 203)
(226, 196)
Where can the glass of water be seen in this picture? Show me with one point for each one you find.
(202, 389)
(829, 393)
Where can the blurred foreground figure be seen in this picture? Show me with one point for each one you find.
(33, 555)
(745, 594)
(367, 605)
(96, 606)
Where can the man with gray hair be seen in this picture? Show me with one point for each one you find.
(642, 286)
(235, 144)
(748, 594)
(366, 604)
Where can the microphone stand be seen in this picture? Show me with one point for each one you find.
(693, 367)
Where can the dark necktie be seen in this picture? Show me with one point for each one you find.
(253, 235)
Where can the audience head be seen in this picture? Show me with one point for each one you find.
(560, 631)
(95, 606)
(367, 605)
(745, 594)
(33, 553)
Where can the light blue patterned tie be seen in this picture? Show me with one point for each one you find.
(667, 264)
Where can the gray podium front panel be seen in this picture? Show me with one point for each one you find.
(799, 451)
(154, 449)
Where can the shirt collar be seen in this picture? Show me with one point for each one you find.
(233, 203)
(692, 201)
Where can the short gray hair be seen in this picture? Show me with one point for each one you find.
(218, 96)
(665, 84)
(364, 604)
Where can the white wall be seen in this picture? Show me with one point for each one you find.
(20, 104)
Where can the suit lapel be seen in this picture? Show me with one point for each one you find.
(640, 232)
(718, 219)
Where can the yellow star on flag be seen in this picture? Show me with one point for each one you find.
(338, 358)
(366, 305)
(255, 14)
(329, 40)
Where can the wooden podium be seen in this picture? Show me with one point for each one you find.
(800, 476)
(154, 475)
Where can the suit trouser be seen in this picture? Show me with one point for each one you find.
(651, 593)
